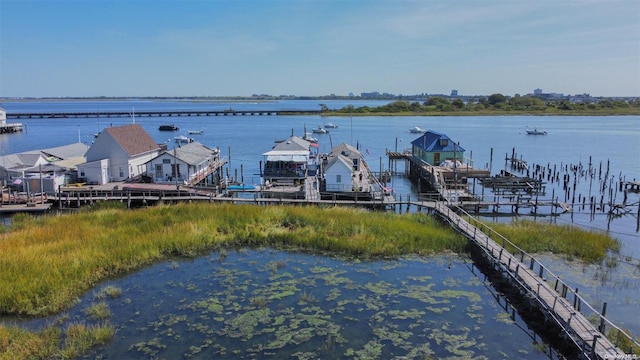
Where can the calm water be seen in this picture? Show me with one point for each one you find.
(242, 139)
(261, 303)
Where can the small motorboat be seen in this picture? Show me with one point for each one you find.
(536, 132)
(183, 139)
(417, 130)
(195, 132)
(168, 127)
(319, 130)
(309, 138)
(330, 126)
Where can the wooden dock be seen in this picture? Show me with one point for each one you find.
(535, 281)
(25, 208)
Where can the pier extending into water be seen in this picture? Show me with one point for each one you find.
(560, 304)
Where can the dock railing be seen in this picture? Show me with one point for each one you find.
(592, 322)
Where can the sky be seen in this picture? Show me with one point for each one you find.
(58, 48)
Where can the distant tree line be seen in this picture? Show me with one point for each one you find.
(495, 103)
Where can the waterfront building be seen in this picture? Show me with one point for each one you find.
(119, 153)
(42, 170)
(435, 148)
(185, 165)
(290, 161)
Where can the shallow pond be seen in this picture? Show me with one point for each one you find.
(264, 303)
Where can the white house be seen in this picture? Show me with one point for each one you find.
(346, 171)
(118, 153)
(186, 164)
(338, 174)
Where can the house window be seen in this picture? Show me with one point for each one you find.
(444, 142)
(121, 172)
(339, 178)
(82, 173)
(166, 161)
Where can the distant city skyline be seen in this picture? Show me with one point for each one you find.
(317, 48)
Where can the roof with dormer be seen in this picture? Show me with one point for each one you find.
(432, 141)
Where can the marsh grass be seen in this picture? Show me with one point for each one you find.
(79, 338)
(18, 343)
(570, 241)
(48, 262)
(53, 260)
(98, 311)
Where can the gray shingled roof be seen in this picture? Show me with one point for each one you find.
(193, 153)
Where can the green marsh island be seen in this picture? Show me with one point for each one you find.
(244, 281)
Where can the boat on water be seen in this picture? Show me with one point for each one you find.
(330, 126)
(536, 132)
(195, 132)
(168, 127)
(319, 130)
(241, 187)
(183, 139)
(309, 138)
(417, 130)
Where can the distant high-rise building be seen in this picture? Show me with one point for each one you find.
(537, 92)
(454, 92)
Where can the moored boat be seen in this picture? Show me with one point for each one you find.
(417, 130)
(168, 127)
(183, 139)
(536, 132)
(319, 130)
(195, 132)
(309, 138)
(330, 126)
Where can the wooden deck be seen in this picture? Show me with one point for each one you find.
(24, 208)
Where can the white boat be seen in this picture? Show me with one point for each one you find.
(330, 126)
(417, 130)
(536, 132)
(195, 132)
(183, 139)
(319, 130)
(309, 138)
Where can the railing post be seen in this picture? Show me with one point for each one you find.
(593, 345)
(575, 299)
(602, 317)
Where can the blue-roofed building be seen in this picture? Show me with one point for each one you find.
(435, 148)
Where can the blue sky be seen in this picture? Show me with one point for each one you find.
(318, 47)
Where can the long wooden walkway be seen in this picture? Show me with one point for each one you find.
(555, 303)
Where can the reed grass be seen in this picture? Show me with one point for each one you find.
(50, 261)
(570, 241)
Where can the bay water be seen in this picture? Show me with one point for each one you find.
(612, 141)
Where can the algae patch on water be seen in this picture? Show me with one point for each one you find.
(265, 303)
